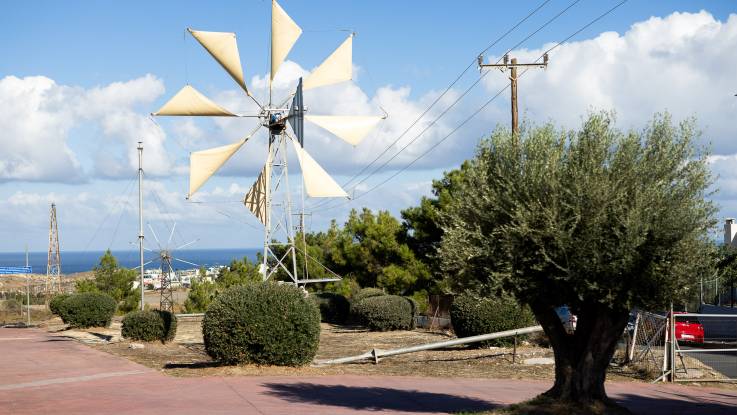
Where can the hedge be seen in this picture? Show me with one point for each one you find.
(150, 325)
(334, 308)
(471, 315)
(55, 303)
(262, 323)
(88, 310)
(384, 313)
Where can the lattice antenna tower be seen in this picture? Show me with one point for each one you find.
(270, 198)
(53, 263)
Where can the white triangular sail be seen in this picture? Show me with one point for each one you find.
(189, 101)
(203, 164)
(338, 67)
(255, 199)
(352, 129)
(284, 33)
(317, 182)
(224, 48)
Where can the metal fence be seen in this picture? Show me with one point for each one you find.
(705, 347)
(643, 347)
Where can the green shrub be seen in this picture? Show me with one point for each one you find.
(384, 313)
(11, 305)
(262, 323)
(334, 308)
(367, 293)
(88, 310)
(472, 316)
(150, 325)
(56, 302)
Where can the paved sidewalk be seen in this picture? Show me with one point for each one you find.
(44, 373)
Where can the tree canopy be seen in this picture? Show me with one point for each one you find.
(596, 219)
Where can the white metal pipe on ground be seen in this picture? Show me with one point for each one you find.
(376, 354)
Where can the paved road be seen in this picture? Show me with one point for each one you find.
(43, 373)
(723, 362)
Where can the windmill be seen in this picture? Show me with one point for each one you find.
(165, 257)
(269, 199)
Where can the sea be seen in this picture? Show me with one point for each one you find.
(79, 261)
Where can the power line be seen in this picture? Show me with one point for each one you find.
(447, 89)
(385, 163)
(482, 107)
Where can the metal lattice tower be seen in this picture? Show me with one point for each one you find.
(166, 302)
(53, 264)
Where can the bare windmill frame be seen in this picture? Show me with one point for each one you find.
(270, 198)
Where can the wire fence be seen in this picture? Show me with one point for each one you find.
(643, 347)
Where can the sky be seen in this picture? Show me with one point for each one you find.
(78, 81)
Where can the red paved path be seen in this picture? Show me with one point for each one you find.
(45, 374)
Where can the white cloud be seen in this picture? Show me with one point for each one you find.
(683, 63)
(39, 116)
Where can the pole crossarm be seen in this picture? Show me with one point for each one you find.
(512, 64)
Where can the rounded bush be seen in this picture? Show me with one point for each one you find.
(56, 302)
(150, 325)
(88, 310)
(262, 323)
(384, 313)
(334, 308)
(367, 293)
(472, 316)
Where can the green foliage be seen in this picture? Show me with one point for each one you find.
(472, 316)
(347, 287)
(421, 300)
(385, 313)
(87, 310)
(85, 286)
(114, 281)
(201, 294)
(56, 302)
(367, 293)
(11, 305)
(594, 216)
(238, 273)
(150, 325)
(262, 323)
(422, 228)
(334, 308)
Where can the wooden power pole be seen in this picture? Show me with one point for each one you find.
(512, 65)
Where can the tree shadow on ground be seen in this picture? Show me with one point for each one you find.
(679, 403)
(376, 398)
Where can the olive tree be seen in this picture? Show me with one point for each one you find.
(596, 219)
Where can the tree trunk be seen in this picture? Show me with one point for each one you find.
(582, 358)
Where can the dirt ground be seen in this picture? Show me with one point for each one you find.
(186, 355)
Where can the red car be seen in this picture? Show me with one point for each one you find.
(688, 329)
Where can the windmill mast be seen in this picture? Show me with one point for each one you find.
(140, 215)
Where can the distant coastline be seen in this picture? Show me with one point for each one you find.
(83, 261)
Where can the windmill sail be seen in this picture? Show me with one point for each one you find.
(255, 199)
(224, 48)
(351, 129)
(284, 33)
(317, 182)
(338, 67)
(297, 115)
(203, 164)
(189, 101)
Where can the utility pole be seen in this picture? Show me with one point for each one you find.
(140, 214)
(512, 65)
